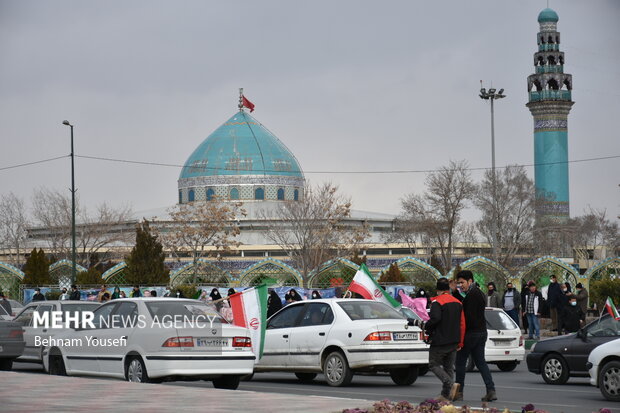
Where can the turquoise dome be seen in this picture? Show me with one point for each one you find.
(241, 146)
(548, 15)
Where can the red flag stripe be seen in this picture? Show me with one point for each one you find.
(361, 290)
(236, 303)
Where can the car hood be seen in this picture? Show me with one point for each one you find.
(554, 341)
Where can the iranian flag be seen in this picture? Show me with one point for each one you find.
(611, 309)
(249, 308)
(365, 285)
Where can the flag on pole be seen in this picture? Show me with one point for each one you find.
(247, 103)
(249, 308)
(365, 285)
(611, 309)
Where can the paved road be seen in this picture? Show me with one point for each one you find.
(514, 389)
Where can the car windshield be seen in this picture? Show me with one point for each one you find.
(15, 304)
(605, 326)
(3, 311)
(369, 310)
(79, 307)
(409, 313)
(499, 320)
(193, 310)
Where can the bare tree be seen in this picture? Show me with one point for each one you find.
(313, 229)
(593, 236)
(201, 229)
(94, 231)
(513, 212)
(438, 212)
(13, 225)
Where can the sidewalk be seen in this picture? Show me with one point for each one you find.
(24, 392)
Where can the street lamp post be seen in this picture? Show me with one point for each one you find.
(491, 95)
(73, 255)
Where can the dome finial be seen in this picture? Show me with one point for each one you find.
(240, 99)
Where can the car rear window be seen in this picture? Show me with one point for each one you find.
(498, 320)
(79, 307)
(182, 308)
(409, 313)
(369, 310)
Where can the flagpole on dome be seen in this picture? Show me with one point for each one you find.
(240, 99)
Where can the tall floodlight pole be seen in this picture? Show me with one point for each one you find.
(73, 255)
(491, 95)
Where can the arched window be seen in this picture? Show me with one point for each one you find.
(190, 196)
(180, 197)
(259, 193)
(296, 194)
(234, 193)
(280, 194)
(210, 194)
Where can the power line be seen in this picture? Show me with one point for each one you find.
(32, 163)
(204, 168)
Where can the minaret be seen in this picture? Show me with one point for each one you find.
(550, 102)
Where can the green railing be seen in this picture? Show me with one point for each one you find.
(550, 95)
(550, 69)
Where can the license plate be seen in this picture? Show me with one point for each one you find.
(503, 343)
(211, 342)
(405, 336)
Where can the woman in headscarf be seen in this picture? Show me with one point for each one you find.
(216, 297)
(117, 293)
(274, 304)
(294, 295)
(316, 295)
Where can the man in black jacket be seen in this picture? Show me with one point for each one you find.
(475, 336)
(75, 293)
(446, 329)
(554, 299)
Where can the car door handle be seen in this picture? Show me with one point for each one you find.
(322, 334)
(285, 336)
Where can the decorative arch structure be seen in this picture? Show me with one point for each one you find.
(415, 270)
(116, 274)
(541, 269)
(333, 273)
(202, 272)
(10, 278)
(610, 266)
(270, 271)
(485, 271)
(61, 272)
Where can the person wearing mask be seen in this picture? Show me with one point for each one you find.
(572, 316)
(511, 302)
(216, 297)
(117, 293)
(554, 299)
(179, 294)
(75, 293)
(446, 330)
(316, 295)
(135, 293)
(37, 295)
(167, 292)
(582, 298)
(475, 336)
(274, 304)
(63, 294)
(531, 308)
(493, 298)
(525, 289)
(123, 295)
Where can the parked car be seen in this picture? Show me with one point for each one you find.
(604, 368)
(4, 315)
(342, 337)
(16, 306)
(33, 352)
(11, 343)
(558, 358)
(156, 348)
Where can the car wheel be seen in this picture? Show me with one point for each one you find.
(609, 380)
(471, 366)
(507, 365)
(336, 369)
(227, 382)
(57, 365)
(422, 370)
(6, 364)
(136, 371)
(404, 376)
(306, 377)
(247, 377)
(554, 370)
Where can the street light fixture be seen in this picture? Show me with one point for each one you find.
(73, 255)
(492, 96)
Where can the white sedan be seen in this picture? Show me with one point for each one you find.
(340, 337)
(604, 368)
(154, 339)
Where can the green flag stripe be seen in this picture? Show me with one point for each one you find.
(390, 299)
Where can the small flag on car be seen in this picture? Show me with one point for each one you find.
(611, 309)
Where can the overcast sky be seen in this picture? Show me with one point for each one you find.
(346, 85)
